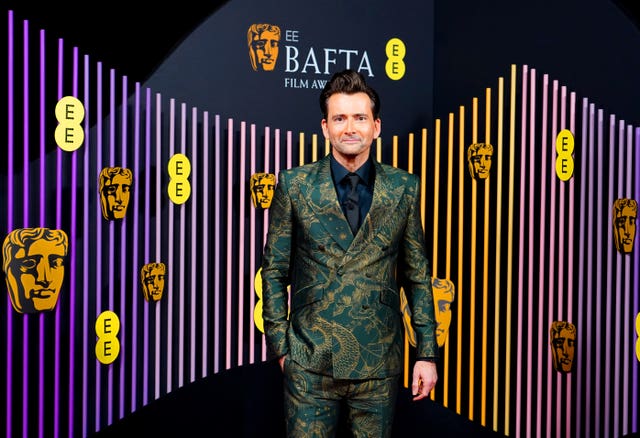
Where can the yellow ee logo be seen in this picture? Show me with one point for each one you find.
(179, 189)
(108, 345)
(395, 66)
(565, 144)
(257, 310)
(69, 134)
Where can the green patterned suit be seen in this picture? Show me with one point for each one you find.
(345, 318)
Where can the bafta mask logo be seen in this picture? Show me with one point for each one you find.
(443, 295)
(563, 345)
(479, 157)
(625, 214)
(263, 41)
(152, 276)
(262, 186)
(115, 191)
(34, 267)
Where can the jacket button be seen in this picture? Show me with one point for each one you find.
(365, 307)
(339, 272)
(321, 247)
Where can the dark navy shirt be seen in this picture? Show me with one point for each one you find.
(366, 172)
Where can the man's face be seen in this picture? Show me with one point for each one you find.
(153, 284)
(116, 193)
(350, 125)
(480, 163)
(36, 274)
(263, 186)
(563, 345)
(265, 49)
(625, 229)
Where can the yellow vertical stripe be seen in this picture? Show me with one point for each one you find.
(485, 271)
(459, 286)
(472, 280)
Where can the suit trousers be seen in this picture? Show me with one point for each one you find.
(315, 405)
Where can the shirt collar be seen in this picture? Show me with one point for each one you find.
(339, 171)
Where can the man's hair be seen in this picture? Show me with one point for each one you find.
(25, 237)
(349, 82)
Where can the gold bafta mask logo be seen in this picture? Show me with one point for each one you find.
(115, 190)
(152, 276)
(262, 186)
(625, 214)
(34, 267)
(263, 41)
(479, 157)
(443, 295)
(563, 345)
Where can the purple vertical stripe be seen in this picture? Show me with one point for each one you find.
(85, 254)
(41, 223)
(58, 311)
(123, 256)
(217, 236)
(136, 262)
(635, 308)
(98, 216)
(147, 236)
(73, 293)
(158, 245)
(112, 258)
(599, 212)
(25, 216)
(10, 202)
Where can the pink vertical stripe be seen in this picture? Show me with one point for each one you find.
(170, 251)
(158, 243)
(217, 249)
(552, 285)
(599, 311)
(194, 241)
(252, 245)
(531, 230)
(206, 144)
(181, 257)
(241, 232)
(147, 239)
(521, 296)
(542, 290)
(229, 275)
(570, 267)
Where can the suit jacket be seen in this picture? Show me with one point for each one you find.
(343, 317)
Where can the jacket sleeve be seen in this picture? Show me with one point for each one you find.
(276, 269)
(415, 274)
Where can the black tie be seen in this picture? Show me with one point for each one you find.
(351, 203)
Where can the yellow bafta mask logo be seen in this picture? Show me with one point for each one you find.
(625, 214)
(34, 260)
(152, 276)
(263, 41)
(262, 186)
(443, 295)
(479, 157)
(563, 345)
(115, 190)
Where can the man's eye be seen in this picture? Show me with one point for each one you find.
(56, 262)
(28, 264)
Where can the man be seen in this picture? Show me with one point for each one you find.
(262, 185)
(625, 214)
(152, 276)
(34, 268)
(115, 191)
(563, 345)
(341, 347)
(263, 41)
